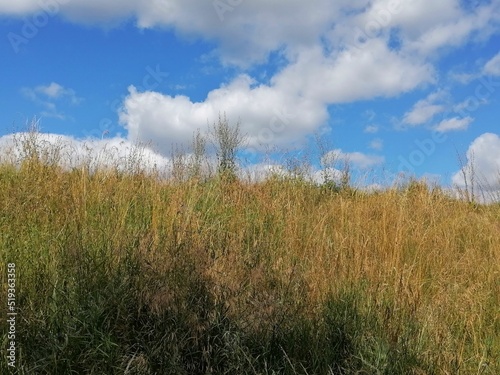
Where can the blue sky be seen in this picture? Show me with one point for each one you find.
(388, 84)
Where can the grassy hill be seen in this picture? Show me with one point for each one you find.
(126, 273)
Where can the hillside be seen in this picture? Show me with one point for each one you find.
(127, 273)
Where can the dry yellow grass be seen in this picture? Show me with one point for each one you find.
(423, 270)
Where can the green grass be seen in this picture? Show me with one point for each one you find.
(125, 273)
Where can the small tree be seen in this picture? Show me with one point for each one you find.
(226, 140)
(198, 148)
(336, 176)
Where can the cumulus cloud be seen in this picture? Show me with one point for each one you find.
(70, 152)
(268, 115)
(374, 71)
(445, 24)
(455, 123)
(483, 164)
(418, 28)
(247, 31)
(47, 96)
(293, 104)
(424, 110)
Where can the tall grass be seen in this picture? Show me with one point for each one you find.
(127, 273)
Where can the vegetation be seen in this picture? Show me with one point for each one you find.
(130, 273)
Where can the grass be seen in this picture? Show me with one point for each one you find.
(127, 273)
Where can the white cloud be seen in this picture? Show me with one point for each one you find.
(483, 164)
(422, 113)
(114, 152)
(492, 67)
(374, 71)
(455, 123)
(302, 91)
(269, 116)
(326, 62)
(424, 110)
(56, 91)
(357, 159)
(449, 26)
(327, 175)
(20, 7)
(48, 95)
(263, 171)
(247, 31)
(420, 28)
(411, 17)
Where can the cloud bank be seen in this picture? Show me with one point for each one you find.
(482, 166)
